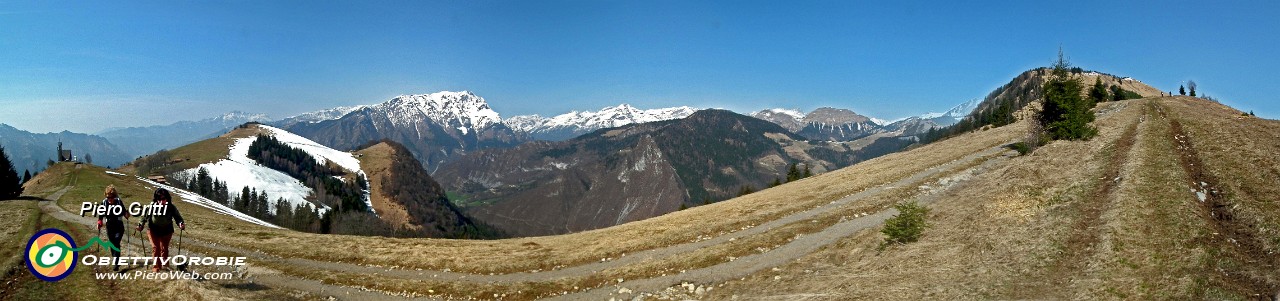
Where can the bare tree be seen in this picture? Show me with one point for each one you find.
(1191, 85)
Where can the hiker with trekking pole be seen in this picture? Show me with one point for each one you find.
(114, 223)
(160, 225)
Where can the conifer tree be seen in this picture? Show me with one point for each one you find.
(243, 200)
(9, 182)
(26, 176)
(1099, 92)
(252, 202)
(1066, 115)
(262, 204)
(204, 184)
(1182, 90)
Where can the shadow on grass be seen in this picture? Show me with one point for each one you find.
(27, 198)
(245, 286)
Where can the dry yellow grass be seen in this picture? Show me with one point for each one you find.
(545, 252)
(1007, 232)
(996, 236)
(16, 220)
(988, 236)
(700, 258)
(200, 152)
(525, 254)
(376, 161)
(1243, 152)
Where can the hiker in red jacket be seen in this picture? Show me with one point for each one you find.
(161, 225)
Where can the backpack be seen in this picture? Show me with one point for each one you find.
(162, 223)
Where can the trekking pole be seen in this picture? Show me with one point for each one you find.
(126, 235)
(142, 246)
(183, 266)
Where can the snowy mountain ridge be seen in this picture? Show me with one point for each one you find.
(462, 110)
(570, 124)
(238, 116)
(320, 115)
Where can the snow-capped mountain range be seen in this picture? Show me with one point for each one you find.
(434, 127)
(843, 124)
(318, 116)
(466, 112)
(468, 118)
(573, 124)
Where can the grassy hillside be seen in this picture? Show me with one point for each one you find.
(188, 156)
(1115, 217)
(1008, 103)
(408, 200)
(21, 218)
(1110, 218)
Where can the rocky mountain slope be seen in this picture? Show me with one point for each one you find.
(831, 124)
(634, 172)
(435, 127)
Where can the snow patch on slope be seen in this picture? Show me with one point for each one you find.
(198, 200)
(321, 153)
(240, 171)
(793, 113)
(963, 109)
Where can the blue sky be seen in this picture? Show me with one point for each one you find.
(88, 66)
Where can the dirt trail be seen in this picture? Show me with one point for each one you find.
(786, 253)
(1238, 235)
(270, 278)
(1088, 228)
(742, 266)
(637, 257)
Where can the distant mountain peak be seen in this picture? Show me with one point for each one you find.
(574, 123)
(241, 115)
(834, 116)
(320, 115)
(963, 109)
(461, 109)
(792, 120)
